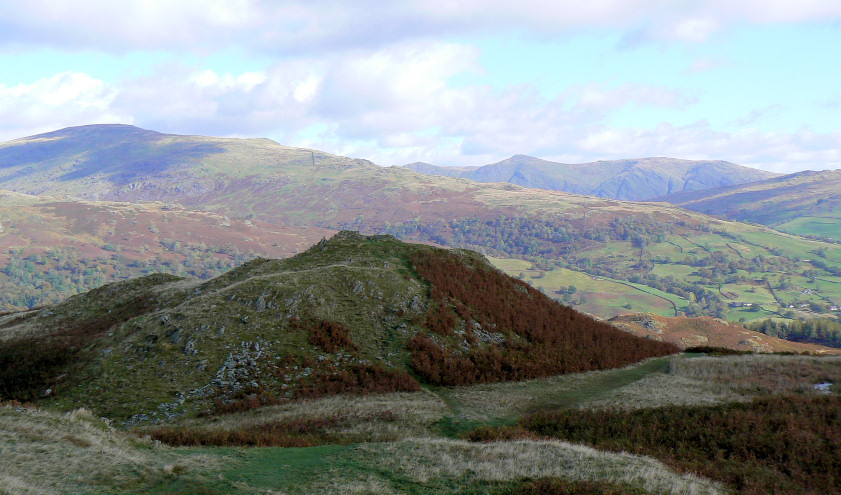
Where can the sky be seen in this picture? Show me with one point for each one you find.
(755, 82)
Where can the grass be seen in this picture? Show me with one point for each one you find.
(425, 460)
(345, 419)
(601, 296)
(679, 380)
(716, 380)
(737, 314)
(504, 402)
(757, 375)
(829, 226)
(46, 452)
(674, 270)
(779, 444)
(396, 443)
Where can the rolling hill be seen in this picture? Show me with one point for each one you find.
(352, 314)
(279, 353)
(710, 332)
(805, 203)
(651, 256)
(634, 180)
(52, 248)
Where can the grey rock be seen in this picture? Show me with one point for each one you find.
(260, 304)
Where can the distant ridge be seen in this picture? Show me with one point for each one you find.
(632, 179)
(804, 203)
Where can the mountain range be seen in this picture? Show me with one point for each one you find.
(632, 256)
(141, 291)
(634, 180)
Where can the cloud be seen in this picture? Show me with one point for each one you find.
(757, 115)
(602, 98)
(830, 103)
(130, 24)
(287, 27)
(181, 100)
(774, 151)
(61, 100)
(399, 104)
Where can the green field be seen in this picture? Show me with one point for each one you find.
(829, 226)
(596, 295)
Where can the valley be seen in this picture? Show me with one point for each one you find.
(804, 203)
(669, 260)
(420, 248)
(206, 315)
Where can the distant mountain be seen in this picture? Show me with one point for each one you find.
(353, 314)
(263, 179)
(634, 180)
(680, 253)
(805, 203)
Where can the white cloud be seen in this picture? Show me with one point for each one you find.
(61, 100)
(694, 30)
(604, 99)
(283, 27)
(397, 105)
(758, 115)
(774, 151)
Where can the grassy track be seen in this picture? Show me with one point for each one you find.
(535, 395)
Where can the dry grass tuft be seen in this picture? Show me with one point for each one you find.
(372, 418)
(342, 485)
(427, 459)
(46, 452)
(717, 380)
(759, 374)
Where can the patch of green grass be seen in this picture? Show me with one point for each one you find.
(749, 293)
(601, 386)
(829, 226)
(595, 295)
(737, 314)
(672, 269)
(454, 427)
(502, 403)
(286, 468)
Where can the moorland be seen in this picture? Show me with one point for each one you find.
(189, 314)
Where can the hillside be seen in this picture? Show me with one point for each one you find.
(705, 331)
(350, 315)
(678, 261)
(52, 248)
(805, 203)
(633, 180)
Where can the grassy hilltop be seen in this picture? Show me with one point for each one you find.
(353, 314)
